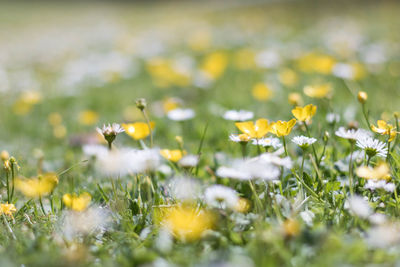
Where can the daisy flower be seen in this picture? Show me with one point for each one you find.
(268, 142)
(189, 161)
(238, 115)
(351, 134)
(303, 141)
(332, 118)
(109, 132)
(220, 196)
(372, 146)
(379, 184)
(239, 138)
(180, 114)
(358, 206)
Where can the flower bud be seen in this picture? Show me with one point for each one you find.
(326, 136)
(362, 97)
(141, 103)
(4, 155)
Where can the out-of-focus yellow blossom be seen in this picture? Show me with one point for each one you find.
(215, 64)
(137, 130)
(244, 59)
(362, 97)
(7, 165)
(304, 113)
(171, 103)
(7, 209)
(282, 128)
(381, 171)
(88, 117)
(314, 62)
(261, 92)
(383, 128)
(173, 155)
(188, 223)
(291, 227)
(54, 118)
(165, 75)
(200, 40)
(59, 131)
(254, 130)
(77, 203)
(4, 155)
(26, 101)
(243, 205)
(41, 185)
(295, 99)
(288, 77)
(358, 71)
(318, 91)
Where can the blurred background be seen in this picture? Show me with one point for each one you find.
(66, 68)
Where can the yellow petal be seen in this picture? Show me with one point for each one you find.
(246, 127)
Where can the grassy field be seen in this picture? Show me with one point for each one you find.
(306, 175)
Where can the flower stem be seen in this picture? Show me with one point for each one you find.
(148, 125)
(284, 145)
(366, 116)
(312, 145)
(351, 168)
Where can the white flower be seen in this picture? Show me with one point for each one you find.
(274, 159)
(238, 115)
(220, 196)
(385, 235)
(358, 206)
(108, 130)
(189, 161)
(343, 70)
(332, 118)
(93, 220)
(308, 217)
(180, 114)
(372, 146)
(237, 138)
(351, 134)
(377, 218)
(379, 184)
(184, 188)
(268, 142)
(303, 141)
(94, 150)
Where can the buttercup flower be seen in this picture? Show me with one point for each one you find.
(39, 186)
(238, 115)
(261, 92)
(304, 113)
(172, 155)
(383, 128)
(137, 130)
(295, 99)
(7, 209)
(318, 91)
(220, 196)
(381, 171)
(257, 130)
(303, 141)
(75, 202)
(282, 128)
(372, 146)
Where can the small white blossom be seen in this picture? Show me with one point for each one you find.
(184, 188)
(238, 115)
(220, 196)
(372, 146)
(189, 161)
(237, 138)
(379, 184)
(108, 130)
(358, 206)
(303, 141)
(351, 134)
(308, 217)
(180, 114)
(332, 118)
(268, 142)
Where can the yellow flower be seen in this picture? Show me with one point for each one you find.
(243, 205)
(172, 155)
(54, 118)
(59, 131)
(41, 185)
(4, 155)
(137, 130)
(7, 209)
(314, 62)
(215, 64)
(318, 91)
(295, 99)
(282, 128)
(291, 227)
(381, 171)
(383, 128)
(244, 59)
(88, 117)
(288, 77)
(261, 92)
(304, 113)
(187, 223)
(77, 203)
(26, 101)
(257, 130)
(171, 103)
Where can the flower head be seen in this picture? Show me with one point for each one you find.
(372, 146)
(39, 186)
(220, 196)
(295, 99)
(304, 113)
(282, 128)
(109, 132)
(187, 223)
(351, 134)
(239, 138)
(7, 209)
(303, 141)
(362, 97)
(75, 202)
(383, 128)
(138, 130)
(238, 115)
(381, 171)
(318, 91)
(180, 114)
(254, 130)
(267, 142)
(173, 155)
